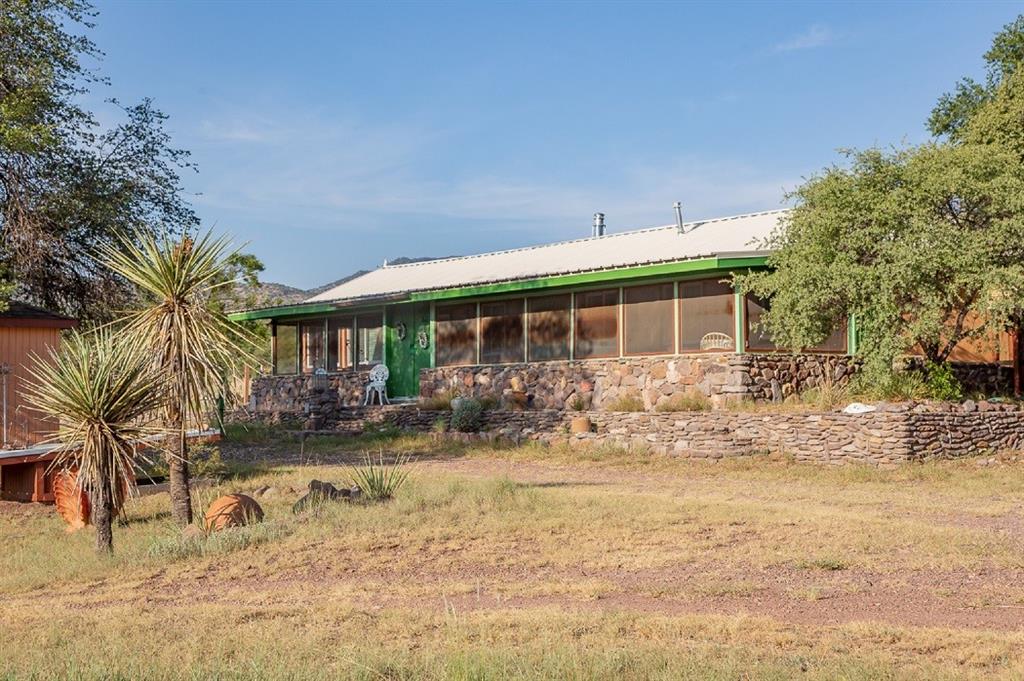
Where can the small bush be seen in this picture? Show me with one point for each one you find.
(467, 417)
(630, 402)
(691, 400)
(898, 386)
(377, 480)
(942, 383)
(577, 403)
(826, 396)
(442, 402)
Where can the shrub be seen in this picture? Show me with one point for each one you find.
(441, 402)
(577, 403)
(630, 402)
(691, 400)
(942, 383)
(900, 385)
(467, 417)
(378, 481)
(827, 395)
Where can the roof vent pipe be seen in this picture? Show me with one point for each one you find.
(598, 224)
(678, 208)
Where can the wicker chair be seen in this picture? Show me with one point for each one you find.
(717, 341)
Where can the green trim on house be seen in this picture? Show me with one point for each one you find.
(702, 266)
(738, 309)
(851, 335)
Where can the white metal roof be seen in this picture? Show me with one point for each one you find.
(737, 235)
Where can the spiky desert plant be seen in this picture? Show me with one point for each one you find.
(377, 480)
(101, 393)
(195, 348)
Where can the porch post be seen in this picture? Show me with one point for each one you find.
(1018, 360)
(738, 310)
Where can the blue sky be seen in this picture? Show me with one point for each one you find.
(332, 136)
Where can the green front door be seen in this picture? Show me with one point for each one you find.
(408, 328)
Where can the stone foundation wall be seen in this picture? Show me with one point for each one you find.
(598, 384)
(295, 397)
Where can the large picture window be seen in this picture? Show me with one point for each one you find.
(369, 339)
(455, 334)
(649, 319)
(549, 321)
(314, 355)
(706, 321)
(339, 343)
(597, 324)
(501, 332)
(286, 349)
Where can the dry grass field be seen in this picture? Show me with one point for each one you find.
(502, 563)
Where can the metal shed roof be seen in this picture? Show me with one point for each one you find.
(737, 235)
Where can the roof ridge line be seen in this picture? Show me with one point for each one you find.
(521, 249)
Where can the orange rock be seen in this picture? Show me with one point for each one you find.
(232, 510)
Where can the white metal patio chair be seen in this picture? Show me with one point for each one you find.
(378, 386)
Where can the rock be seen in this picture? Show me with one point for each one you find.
(969, 406)
(260, 491)
(318, 493)
(232, 510)
(192, 532)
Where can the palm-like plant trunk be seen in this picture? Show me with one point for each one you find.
(180, 484)
(103, 516)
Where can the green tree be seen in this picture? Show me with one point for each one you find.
(923, 245)
(915, 243)
(193, 345)
(955, 109)
(68, 185)
(102, 394)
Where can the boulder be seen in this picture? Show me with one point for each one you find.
(318, 493)
(232, 510)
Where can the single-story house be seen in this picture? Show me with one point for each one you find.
(26, 332)
(647, 312)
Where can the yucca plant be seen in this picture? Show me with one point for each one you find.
(102, 395)
(377, 480)
(194, 347)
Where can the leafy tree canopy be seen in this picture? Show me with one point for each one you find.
(68, 186)
(924, 245)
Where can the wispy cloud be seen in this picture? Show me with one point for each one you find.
(815, 36)
(378, 185)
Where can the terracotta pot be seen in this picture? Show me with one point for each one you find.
(72, 503)
(580, 424)
(232, 510)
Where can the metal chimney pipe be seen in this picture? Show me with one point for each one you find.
(598, 225)
(678, 208)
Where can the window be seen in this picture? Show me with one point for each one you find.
(455, 334)
(706, 321)
(597, 324)
(757, 336)
(649, 319)
(369, 339)
(834, 343)
(339, 343)
(286, 349)
(314, 354)
(549, 327)
(501, 332)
